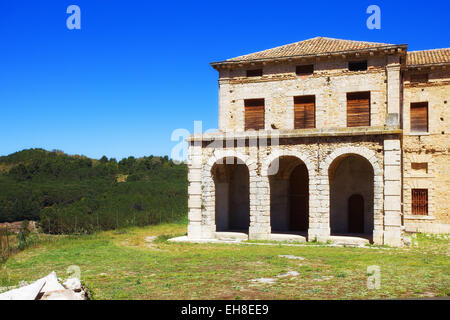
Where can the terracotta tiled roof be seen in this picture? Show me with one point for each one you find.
(318, 45)
(425, 57)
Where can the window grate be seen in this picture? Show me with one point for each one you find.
(420, 202)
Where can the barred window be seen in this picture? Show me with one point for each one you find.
(419, 201)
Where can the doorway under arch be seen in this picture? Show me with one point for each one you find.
(232, 200)
(289, 195)
(351, 179)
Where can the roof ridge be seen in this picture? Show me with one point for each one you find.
(315, 45)
(273, 48)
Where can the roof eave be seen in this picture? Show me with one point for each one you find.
(386, 48)
(427, 65)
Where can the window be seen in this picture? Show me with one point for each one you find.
(305, 70)
(254, 114)
(419, 203)
(357, 65)
(358, 109)
(254, 73)
(419, 167)
(304, 112)
(419, 78)
(419, 117)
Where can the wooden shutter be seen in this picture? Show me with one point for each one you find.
(419, 201)
(419, 117)
(304, 112)
(358, 109)
(254, 114)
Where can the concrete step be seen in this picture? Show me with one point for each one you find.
(349, 241)
(287, 237)
(231, 236)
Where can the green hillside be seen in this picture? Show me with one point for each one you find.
(71, 193)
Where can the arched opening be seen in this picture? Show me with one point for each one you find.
(351, 195)
(232, 207)
(289, 195)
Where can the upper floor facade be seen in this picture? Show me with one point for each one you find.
(326, 84)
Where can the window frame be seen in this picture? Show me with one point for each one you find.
(259, 73)
(248, 104)
(360, 93)
(419, 209)
(418, 105)
(304, 73)
(297, 100)
(358, 63)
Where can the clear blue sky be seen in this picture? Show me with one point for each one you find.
(137, 70)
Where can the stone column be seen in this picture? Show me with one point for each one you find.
(393, 91)
(195, 191)
(392, 193)
(319, 209)
(259, 207)
(378, 209)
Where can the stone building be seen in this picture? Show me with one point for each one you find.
(324, 139)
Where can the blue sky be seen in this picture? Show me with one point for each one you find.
(137, 70)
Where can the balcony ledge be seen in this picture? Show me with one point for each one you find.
(295, 133)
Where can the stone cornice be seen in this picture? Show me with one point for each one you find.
(297, 133)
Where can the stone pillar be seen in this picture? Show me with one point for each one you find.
(259, 207)
(392, 193)
(378, 209)
(319, 209)
(393, 91)
(195, 191)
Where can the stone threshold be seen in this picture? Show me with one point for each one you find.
(280, 239)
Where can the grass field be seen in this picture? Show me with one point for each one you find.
(123, 265)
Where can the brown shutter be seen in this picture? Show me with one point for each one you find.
(304, 112)
(358, 109)
(254, 114)
(419, 117)
(419, 201)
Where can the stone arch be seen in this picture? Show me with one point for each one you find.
(280, 201)
(209, 187)
(368, 154)
(288, 153)
(370, 157)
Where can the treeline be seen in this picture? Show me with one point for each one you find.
(76, 194)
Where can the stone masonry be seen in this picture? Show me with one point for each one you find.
(383, 151)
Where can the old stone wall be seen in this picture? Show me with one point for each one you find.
(426, 156)
(317, 153)
(279, 84)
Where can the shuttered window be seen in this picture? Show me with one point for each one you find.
(358, 109)
(304, 70)
(419, 78)
(254, 114)
(357, 65)
(419, 117)
(304, 112)
(254, 73)
(419, 201)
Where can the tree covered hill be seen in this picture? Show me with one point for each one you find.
(71, 193)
